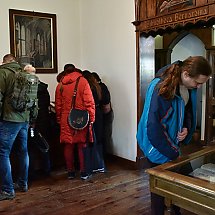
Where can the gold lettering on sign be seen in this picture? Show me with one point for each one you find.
(190, 15)
(160, 21)
(177, 17)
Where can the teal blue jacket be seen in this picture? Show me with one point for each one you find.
(160, 123)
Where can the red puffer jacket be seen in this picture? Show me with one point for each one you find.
(63, 99)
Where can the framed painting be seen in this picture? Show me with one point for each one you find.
(33, 39)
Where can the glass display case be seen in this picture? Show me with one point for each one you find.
(176, 183)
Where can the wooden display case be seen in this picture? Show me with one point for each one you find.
(172, 181)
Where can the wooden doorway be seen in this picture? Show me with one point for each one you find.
(160, 55)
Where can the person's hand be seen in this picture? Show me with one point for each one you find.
(181, 135)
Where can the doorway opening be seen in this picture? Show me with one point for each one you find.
(191, 45)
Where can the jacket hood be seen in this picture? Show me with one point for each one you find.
(11, 65)
(42, 86)
(160, 71)
(70, 78)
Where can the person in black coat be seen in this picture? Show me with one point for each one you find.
(98, 164)
(42, 121)
(39, 150)
(107, 114)
(41, 126)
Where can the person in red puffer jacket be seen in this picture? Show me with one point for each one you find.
(68, 136)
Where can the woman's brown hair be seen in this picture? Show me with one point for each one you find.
(171, 77)
(93, 83)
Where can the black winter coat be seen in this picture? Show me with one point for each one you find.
(43, 119)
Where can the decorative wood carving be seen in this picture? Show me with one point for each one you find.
(156, 16)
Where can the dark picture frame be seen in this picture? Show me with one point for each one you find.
(33, 39)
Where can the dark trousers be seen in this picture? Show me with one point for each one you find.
(93, 155)
(107, 132)
(157, 202)
(97, 156)
(37, 161)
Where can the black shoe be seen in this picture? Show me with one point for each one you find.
(85, 176)
(20, 188)
(6, 196)
(71, 175)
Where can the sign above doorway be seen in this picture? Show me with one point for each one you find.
(156, 17)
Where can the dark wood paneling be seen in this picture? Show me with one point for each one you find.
(210, 101)
(142, 12)
(204, 34)
(152, 20)
(151, 8)
(160, 58)
(201, 2)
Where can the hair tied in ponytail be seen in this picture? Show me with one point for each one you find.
(180, 63)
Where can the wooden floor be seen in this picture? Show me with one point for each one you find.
(119, 191)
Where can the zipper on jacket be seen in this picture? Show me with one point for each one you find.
(151, 149)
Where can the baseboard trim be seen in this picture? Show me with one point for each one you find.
(127, 164)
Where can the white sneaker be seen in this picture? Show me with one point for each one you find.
(102, 170)
(85, 176)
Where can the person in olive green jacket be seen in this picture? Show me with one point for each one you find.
(13, 131)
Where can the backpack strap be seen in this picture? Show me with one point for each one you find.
(75, 93)
(11, 69)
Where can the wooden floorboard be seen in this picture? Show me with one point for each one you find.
(118, 192)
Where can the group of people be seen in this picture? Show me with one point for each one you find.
(19, 127)
(93, 96)
(168, 119)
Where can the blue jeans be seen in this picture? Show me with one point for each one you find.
(13, 133)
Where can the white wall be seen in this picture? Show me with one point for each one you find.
(68, 30)
(108, 47)
(97, 35)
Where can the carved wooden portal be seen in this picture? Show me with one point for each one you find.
(174, 19)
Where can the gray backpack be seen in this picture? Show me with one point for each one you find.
(24, 95)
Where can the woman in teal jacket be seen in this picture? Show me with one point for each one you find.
(169, 115)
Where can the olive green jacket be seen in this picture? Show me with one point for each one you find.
(6, 89)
